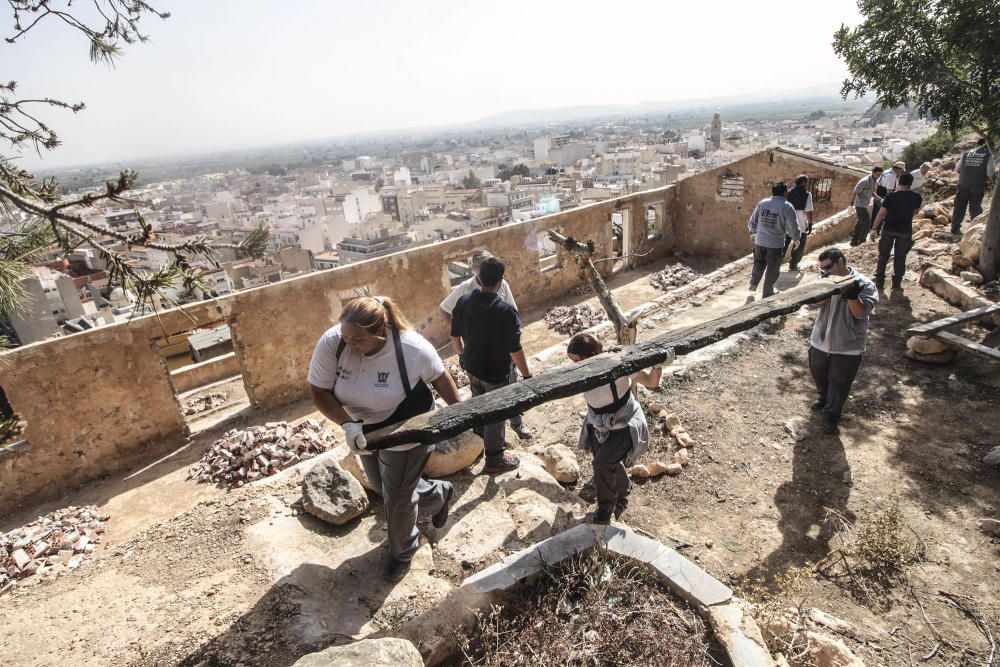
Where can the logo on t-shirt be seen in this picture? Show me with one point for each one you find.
(343, 373)
(383, 379)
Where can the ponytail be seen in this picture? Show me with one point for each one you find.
(374, 315)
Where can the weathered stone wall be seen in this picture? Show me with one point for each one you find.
(710, 224)
(207, 372)
(101, 400)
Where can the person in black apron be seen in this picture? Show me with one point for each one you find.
(364, 376)
(614, 430)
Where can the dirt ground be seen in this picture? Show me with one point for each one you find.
(190, 574)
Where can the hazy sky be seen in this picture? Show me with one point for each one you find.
(236, 73)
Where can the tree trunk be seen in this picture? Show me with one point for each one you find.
(989, 256)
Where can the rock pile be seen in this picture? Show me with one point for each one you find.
(570, 320)
(674, 276)
(668, 423)
(242, 456)
(204, 403)
(50, 544)
(458, 373)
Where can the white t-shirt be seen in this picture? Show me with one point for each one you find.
(369, 387)
(801, 215)
(468, 287)
(918, 180)
(888, 181)
(599, 397)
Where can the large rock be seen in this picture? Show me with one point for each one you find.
(926, 345)
(561, 463)
(351, 462)
(332, 494)
(478, 533)
(534, 515)
(938, 358)
(454, 454)
(385, 652)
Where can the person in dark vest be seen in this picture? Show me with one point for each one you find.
(614, 431)
(861, 200)
(975, 169)
(486, 332)
(894, 225)
(369, 372)
(802, 201)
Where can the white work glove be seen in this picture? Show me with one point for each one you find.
(872, 235)
(666, 362)
(355, 438)
(753, 239)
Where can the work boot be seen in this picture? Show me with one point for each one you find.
(505, 463)
(818, 404)
(602, 517)
(879, 283)
(588, 492)
(897, 283)
(395, 570)
(441, 517)
(830, 426)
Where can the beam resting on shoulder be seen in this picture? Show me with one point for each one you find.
(573, 379)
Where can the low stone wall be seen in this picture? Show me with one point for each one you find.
(207, 372)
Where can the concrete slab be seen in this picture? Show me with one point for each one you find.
(740, 636)
(688, 580)
(627, 543)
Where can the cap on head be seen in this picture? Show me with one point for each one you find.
(900, 165)
(491, 272)
(801, 179)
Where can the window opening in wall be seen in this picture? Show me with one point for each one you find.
(548, 253)
(731, 185)
(822, 189)
(459, 270)
(620, 234)
(353, 293)
(205, 372)
(654, 218)
(12, 426)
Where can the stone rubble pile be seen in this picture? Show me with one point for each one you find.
(203, 403)
(942, 179)
(50, 544)
(242, 456)
(674, 276)
(458, 373)
(681, 457)
(570, 320)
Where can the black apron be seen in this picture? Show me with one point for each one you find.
(417, 401)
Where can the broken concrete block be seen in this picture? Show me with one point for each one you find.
(20, 558)
(332, 494)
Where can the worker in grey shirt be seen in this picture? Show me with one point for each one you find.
(773, 219)
(862, 203)
(839, 337)
(975, 169)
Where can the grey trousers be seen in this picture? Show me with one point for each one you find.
(833, 374)
(403, 492)
(494, 442)
(862, 226)
(766, 263)
(610, 477)
(517, 419)
(897, 245)
(966, 198)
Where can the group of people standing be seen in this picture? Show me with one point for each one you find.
(370, 371)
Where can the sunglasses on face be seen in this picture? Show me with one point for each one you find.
(824, 271)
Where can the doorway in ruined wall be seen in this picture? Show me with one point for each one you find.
(13, 428)
(205, 372)
(548, 253)
(621, 235)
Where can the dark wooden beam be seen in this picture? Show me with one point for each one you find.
(967, 344)
(573, 379)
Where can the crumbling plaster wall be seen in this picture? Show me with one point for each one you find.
(710, 224)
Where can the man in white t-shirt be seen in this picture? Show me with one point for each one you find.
(920, 176)
(468, 287)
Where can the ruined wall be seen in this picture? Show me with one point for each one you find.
(103, 399)
(198, 375)
(710, 223)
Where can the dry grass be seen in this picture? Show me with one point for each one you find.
(595, 609)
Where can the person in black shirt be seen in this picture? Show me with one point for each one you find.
(486, 331)
(894, 223)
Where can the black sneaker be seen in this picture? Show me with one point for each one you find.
(441, 517)
(395, 570)
(602, 517)
(818, 404)
(620, 507)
